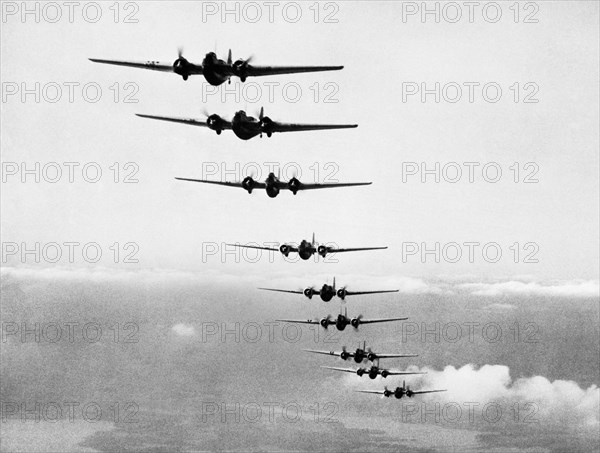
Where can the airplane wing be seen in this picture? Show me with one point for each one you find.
(296, 321)
(400, 373)
(290, 127)
(371, 321)
(282, 290)
(254, 247)
(334, 353)
(427, 391)
(391, 356)
(153, 65)
(347, 370)
(332, 250)
(357, 293)
(223, 124)
(304, 186)
(258, 185)
(377, 392)
(257, 71)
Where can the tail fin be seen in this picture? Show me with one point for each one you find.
(313, 240)
(334, 283)
(261, 115)
(229, 59)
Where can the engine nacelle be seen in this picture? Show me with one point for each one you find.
(325, 323)
(308, 292)
(344, 355)
(387, 393)
(215, 122)
(355, 322)
(409, 393)
(181, 67)
(285, 250)
(385, 373)
(371, 356)
(360, 371)
(342, 293)
(248, 184)
(272, 190)
(322, 250)
(294, 185)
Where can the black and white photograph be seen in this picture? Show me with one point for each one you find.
(300, 226)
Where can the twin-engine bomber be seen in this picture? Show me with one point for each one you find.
(215, 70)
(399, 392)
(274, 185)
(306, 249)
(328, 292)
(373, 371)
(245, 126)
(360, 354)
(341, 321)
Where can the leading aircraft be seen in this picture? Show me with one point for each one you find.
(307, 249)
(215, 70)
(399, 392)
(341, 321)
(245, 126)
(327, 292)
(360, 354)
(274, 185)
(373, 371)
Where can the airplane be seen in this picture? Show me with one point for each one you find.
(399, 392)
(360, 354)
(373, 371)
(215, 70)
(245, 126)
(327, 292)
(307, 249)
(273, 185)
(341, 321)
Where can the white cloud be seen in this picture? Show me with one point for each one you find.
(184, 330)
(571, 288)
(558, 402)
(555, 402)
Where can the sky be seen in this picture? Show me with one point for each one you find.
(553, 221)
(148, 251)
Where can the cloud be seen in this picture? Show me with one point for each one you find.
(571, 288)
(502, 307)
(558, 402)
(184, 330)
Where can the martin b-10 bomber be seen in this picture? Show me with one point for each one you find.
(215, 70)
(307, 249)
(341, 321)
(399, 392)
(327, 292)
(360, 354)
(245, 126)
(274, 185)
(373, 371)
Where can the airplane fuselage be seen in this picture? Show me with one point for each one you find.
(372, 372)
(246, 127)
(214, 70)
(306, 250)
(327, 293)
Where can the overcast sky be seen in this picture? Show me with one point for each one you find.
(170, 220)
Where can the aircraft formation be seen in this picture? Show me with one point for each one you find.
(216, 72)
